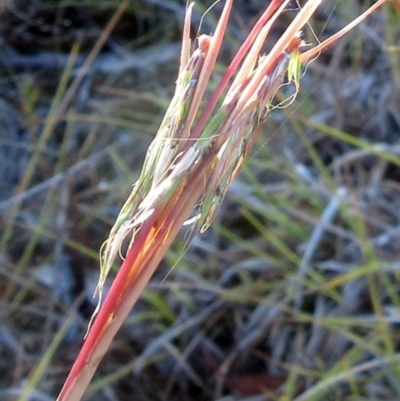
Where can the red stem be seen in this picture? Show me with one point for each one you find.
(142, 259)
(108, 309)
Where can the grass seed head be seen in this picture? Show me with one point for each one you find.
(197, 153)
(179, 155)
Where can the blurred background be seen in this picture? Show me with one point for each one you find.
(294, 291)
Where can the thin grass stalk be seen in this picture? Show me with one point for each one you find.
(190, 166)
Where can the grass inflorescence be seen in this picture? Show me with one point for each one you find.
(291, 294)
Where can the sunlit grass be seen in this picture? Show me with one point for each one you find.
(239, 285)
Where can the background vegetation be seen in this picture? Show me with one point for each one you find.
(292, 294)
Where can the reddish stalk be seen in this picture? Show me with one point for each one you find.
(135, 272)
